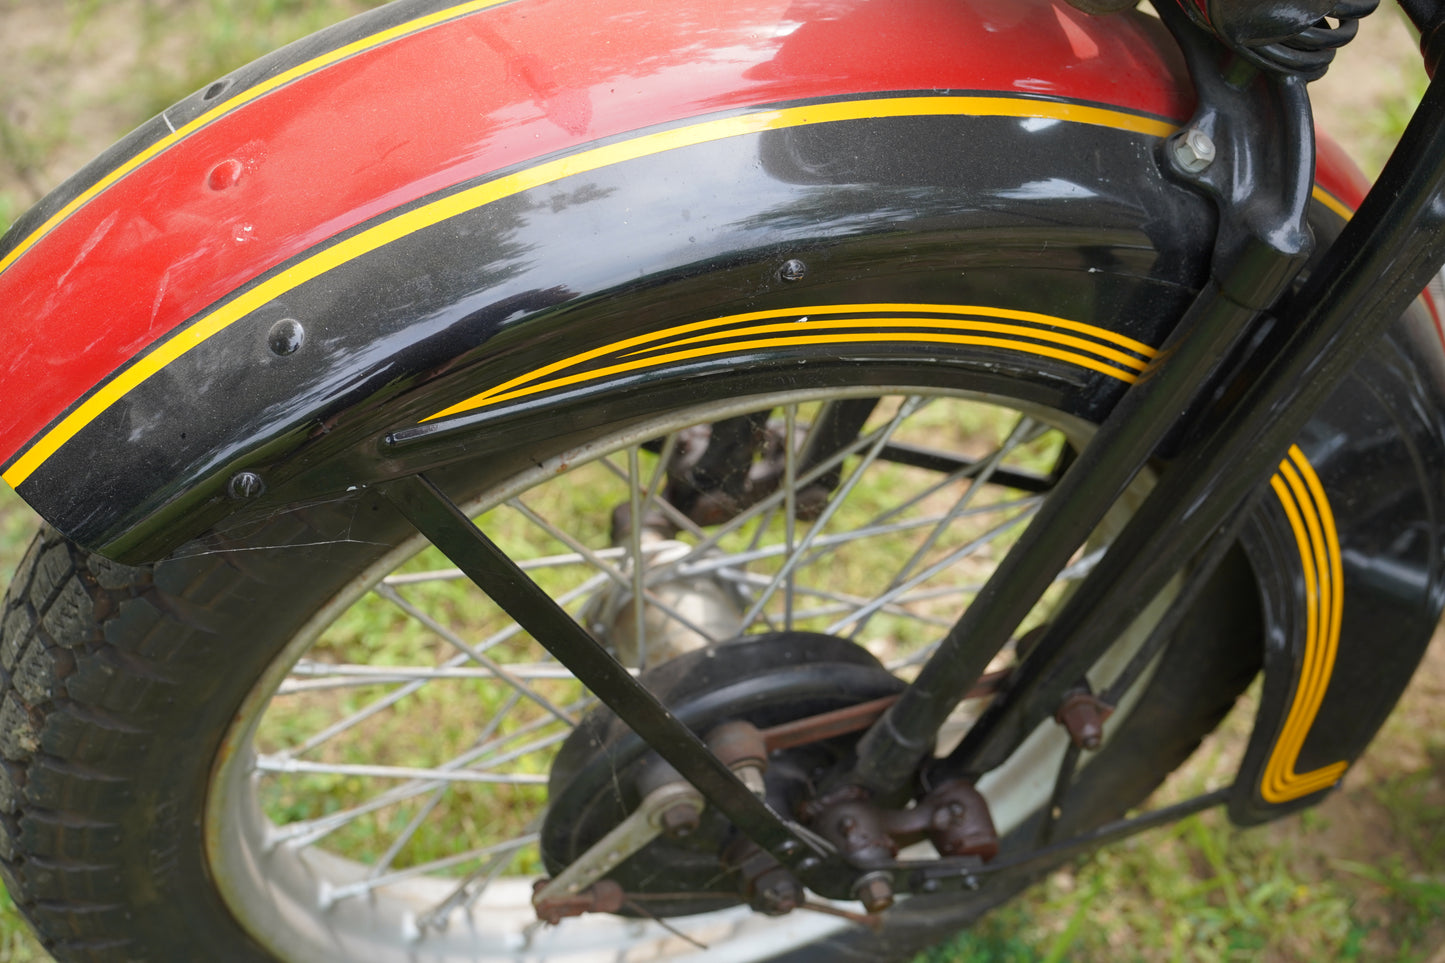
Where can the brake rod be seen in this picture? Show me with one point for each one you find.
(458, 538)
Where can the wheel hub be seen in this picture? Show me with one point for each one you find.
(604, 770)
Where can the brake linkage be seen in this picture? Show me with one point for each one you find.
(671, 807)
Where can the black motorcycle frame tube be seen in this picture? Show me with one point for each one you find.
(1389, 251)
(1264, 239)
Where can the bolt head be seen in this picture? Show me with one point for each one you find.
(680, 821)
(875, 894)
(1193, 150)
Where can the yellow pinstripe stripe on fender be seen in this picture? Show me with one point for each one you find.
(1303, 499)
(235, 103)
(427, 215)
(1097, 349)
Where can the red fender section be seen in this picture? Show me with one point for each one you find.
(402, 107)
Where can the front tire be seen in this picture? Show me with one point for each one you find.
(163, 796)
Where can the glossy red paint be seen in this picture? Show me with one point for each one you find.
(490, 90)
(1338, 174)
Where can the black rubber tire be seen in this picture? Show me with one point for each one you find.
(117, 685)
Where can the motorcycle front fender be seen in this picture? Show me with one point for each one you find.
(438, 231)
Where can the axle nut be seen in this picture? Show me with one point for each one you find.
(681, 820)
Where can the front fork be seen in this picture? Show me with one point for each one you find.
(1261, 173)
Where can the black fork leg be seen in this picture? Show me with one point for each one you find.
(1386, 255)
(1263, 241)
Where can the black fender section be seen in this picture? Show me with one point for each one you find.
(1348, 545)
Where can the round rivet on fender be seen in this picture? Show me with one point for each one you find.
(225, 174)
(246, 485)
(793, 270)
(286, 336)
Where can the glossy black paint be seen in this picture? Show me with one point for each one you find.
(1285, 35)
(957, 211)
(1428, 16)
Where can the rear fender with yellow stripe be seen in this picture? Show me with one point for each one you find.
(446, 234)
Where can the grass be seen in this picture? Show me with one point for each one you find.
(1360, 878)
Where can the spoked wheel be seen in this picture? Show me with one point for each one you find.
(368, 741)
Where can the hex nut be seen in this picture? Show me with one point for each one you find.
(875, 893)
(681, 820)
(1193, 150)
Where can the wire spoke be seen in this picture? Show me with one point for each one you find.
(325, 675)
(619, 578)
(527, 565)
(291, 766)
(634, 542)
(1023, 432)
(476, 655)
(947, 561)
(790, 512)
(793, 557)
